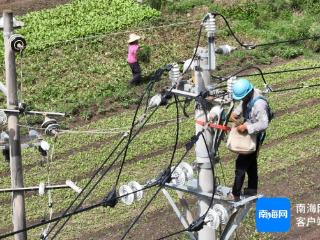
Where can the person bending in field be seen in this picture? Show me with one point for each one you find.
(256, 114)
(133, 49)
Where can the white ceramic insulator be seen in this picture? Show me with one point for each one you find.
(210, 25)
(3, 118)
(212, 219)
(137, 189)
(42, 188)
(174, 74)
(178, 176)
(126, 192)
(73, 186)
(155, 101)
(187, 169)
(222, 212)
(230, 83)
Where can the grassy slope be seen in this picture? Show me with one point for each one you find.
(59, 78)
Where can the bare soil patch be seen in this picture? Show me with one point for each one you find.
(21, 7)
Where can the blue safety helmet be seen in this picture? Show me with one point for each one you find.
(241, 88)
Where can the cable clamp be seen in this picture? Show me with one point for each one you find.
(111, 199)
(192, 141)
(196, 225)
(165, 177)
(249, 46)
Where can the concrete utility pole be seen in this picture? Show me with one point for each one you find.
(205, 177)
(18, 203)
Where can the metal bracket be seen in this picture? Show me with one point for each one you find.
(178, 213)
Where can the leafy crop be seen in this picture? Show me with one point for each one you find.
(82, 18)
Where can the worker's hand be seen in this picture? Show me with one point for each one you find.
(238, 122)
(242, 128)
(235, 118)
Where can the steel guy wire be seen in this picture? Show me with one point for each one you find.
(105, 131)
(21, 75)
(295, 88)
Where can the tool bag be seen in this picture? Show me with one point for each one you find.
(241, 143)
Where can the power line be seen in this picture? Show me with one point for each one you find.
(92, 37)
(165, 178)
(287, 41)
(130, 139)
(295, 88)
(253, 46)
(83, 209)
(169, 168)
(280, 71)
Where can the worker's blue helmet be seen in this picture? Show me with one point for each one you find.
(241, 88)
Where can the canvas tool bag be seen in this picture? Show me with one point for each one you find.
(241, 143)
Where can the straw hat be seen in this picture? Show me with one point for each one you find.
(133, 37)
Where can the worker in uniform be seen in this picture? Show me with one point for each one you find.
(251, 116)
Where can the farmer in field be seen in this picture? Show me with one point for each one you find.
(133, 49)
(255, 112)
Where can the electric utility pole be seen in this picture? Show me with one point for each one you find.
(18, 203)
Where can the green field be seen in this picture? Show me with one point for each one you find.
(88, 79)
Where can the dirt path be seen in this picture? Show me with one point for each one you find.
(21, 7)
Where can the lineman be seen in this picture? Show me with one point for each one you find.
(256, 115)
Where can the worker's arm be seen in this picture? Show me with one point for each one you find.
(261, 113)
(235, 115)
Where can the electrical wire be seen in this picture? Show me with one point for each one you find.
(295, 88)
(196, 49)
(92, 37)
(150, 85)
(169, 167)
(287, 41)
(124, 149)
(268, 88)
(280, 71)
(65, 213)
(246, 46)
(78, 211)
(202, 217)
(253, 46)
(50, 203)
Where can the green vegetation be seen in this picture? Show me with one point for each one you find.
(89, 77)
(82, 18)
